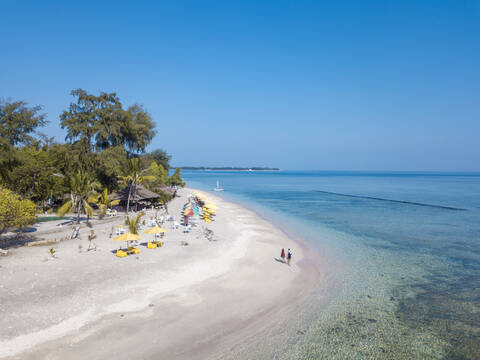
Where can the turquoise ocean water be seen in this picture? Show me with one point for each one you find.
(400, 252)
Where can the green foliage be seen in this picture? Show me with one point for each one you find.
(160, 181)
(138, 129)
(36, 177)
(105, 146)
(109, 164)
(134, 223)
(15, 212)
(133, 175)
(164, 196)
(81, 188)
(103, 201)
(175, 179)
(96, 123)
(159, 172)
(18, 124)
(160, 157)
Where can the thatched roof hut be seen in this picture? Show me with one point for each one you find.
(138, 193)
(167, 189)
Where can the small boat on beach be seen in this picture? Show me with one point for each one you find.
(218, 188)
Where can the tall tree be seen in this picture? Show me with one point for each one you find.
(80, 119)
(81, 189)
(36, 177)
(175, 179)
(99, 122)
(18, 125)
(139, 129)
(110, 162)
(160, 157)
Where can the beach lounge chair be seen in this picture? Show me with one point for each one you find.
(133, 250)
(121, 253)
(120, 230)
(151, 245)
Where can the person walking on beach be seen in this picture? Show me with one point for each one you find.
(289, 256)
(282, 255)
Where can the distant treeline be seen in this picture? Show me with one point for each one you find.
(228, 168)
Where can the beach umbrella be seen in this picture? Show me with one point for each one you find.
(127, 237)
(155, 230)
(188, 212)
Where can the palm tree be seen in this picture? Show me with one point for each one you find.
(132, 176)
(80, 190)
(134, 223)
(104, 202)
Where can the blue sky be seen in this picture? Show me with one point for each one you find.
(347, 85)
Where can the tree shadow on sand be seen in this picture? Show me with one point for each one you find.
(17, 240)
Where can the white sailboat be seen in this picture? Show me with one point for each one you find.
(218, 188)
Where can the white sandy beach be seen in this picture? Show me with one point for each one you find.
(183, 302)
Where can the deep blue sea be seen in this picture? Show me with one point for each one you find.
(401, 254)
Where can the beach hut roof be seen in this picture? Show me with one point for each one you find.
(138, 193)
(166, 189)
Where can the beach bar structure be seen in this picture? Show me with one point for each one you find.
(140, 197)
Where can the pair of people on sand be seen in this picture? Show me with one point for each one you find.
(289, 256)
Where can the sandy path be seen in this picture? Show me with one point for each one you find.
(183, 302)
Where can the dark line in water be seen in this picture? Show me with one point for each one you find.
(390, 200)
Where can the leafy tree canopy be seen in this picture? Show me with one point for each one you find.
(99, 122)
(15, 212)
(105, 149)
(175, 179)
(18, 125)
(160, 157)
(81, 189)
(18, 122)
(36, 177)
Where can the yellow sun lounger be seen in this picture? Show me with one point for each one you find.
(151, 245)
(121, 253)
(133, 250)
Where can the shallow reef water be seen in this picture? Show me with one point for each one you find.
(401, 253)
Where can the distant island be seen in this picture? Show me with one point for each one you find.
(228, 168)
